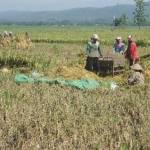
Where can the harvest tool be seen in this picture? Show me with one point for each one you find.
(113, 64)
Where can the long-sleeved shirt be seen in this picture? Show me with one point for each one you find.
(136, 78)
(119, 47)
(93, 49)
(132, 52)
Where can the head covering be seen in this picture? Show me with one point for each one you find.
(95, 36)
(137, 67)
(130, 37)
(119, 38)
(5, 33)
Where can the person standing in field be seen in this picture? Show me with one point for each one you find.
(93, 51)
(131, 53)
(119, 46)
(137, 77)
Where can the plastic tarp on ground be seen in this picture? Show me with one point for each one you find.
(79, 84)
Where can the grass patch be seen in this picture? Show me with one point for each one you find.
(55, 117)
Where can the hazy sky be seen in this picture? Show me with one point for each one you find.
(56, 4)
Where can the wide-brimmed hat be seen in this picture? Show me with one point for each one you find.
(95, 36)
(119, 38)
(137, 67)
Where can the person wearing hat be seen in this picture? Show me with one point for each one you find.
(10, 34)
(131, 53)
(5, 34)
(93, 51)
(137, 77)
(119, 46)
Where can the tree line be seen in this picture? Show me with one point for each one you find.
(140, 17)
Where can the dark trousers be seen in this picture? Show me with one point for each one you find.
(92, 64)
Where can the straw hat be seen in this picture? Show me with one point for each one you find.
(119, 38)
(10, 33)
(130, 37)
(136, 67)
(5, 33)
(95, 36)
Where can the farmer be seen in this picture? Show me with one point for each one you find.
(10, 34)
(5, 34)
(119, 46)
(131, 53)
(137, 77)
(27, 37)
(93, 53)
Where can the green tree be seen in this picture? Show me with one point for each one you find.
(139, 13)
(122, 20)
(116, 22)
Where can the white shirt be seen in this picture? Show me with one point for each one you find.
(93, 49)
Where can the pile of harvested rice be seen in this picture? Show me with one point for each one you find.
(23, 43)
(5, 42)
(78, 72)
(74, 72)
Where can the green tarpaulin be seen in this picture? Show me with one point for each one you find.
(79, 84)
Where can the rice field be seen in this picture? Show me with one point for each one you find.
(56, 117)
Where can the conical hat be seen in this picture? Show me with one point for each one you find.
(136, 67)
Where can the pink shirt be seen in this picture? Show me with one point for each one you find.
(133, 51)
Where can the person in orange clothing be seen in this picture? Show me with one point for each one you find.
(131, 53)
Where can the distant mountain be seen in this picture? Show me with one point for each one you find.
(73, 16)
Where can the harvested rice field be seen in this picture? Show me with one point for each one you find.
(42, 116)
